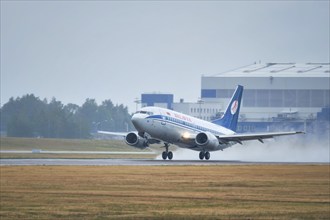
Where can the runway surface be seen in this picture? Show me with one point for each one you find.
(38, 151)
(132, 162)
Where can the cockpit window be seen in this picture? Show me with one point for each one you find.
(144, 112)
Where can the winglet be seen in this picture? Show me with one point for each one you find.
(230, 118)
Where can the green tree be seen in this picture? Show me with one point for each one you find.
(20, 117)
(30, 117)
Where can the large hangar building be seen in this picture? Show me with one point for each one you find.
(273, 92)
(277, 96)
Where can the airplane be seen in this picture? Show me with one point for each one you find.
(157, 125)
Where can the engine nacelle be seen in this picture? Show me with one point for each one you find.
(207, 140)
(134, 140)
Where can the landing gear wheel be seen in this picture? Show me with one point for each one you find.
(164, 155)
(207, 155)
(201, 155)
(167, 154)
(170, 155)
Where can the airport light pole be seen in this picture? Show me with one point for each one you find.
(137, 101)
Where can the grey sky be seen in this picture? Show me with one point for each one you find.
(117, 50)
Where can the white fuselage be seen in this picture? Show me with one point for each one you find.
(176, 128)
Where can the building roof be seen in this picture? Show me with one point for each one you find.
(279, 70)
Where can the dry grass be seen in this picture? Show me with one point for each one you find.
(165, 192)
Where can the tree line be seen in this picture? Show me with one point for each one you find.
(29, 116)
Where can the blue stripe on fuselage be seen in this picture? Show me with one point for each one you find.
(182, 123)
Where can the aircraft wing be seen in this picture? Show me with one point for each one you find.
(123, 134)
(256, 136)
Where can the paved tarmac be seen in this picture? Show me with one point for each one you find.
(133, 162)
(38, 151)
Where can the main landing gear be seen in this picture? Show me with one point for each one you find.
(167, 154)
(205, 155)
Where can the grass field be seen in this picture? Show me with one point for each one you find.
(27, 144)
(165, 192)
(8, 143)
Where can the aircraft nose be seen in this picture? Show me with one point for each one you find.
(136, 120)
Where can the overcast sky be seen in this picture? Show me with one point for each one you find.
(117, 50)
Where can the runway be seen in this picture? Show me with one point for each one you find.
(39, 151)
(134, 162)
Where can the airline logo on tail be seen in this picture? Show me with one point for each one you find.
(230, 117)
(234, 106)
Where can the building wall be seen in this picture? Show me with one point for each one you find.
(271, 89)
(160, 100)
(265, 82)
(206, 111)
(291, 98)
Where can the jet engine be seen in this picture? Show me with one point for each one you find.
(207, 140)
(134, 140)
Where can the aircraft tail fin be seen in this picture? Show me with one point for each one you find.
(230, 117)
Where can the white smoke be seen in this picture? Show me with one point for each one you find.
(284, 149)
